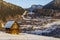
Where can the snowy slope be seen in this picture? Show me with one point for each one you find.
(23, 36)
(53, 23)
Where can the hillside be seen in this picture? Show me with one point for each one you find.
(55, 4)
(9, 10)
(52, 9)
(33, 7)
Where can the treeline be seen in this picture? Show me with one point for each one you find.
(46, 12)
(7, 9)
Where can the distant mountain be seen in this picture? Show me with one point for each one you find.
(52, 9)
(32, 10)
(9, 10)
(33, 7)
(55, 4)
(37, 6)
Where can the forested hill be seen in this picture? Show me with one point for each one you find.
(54, 4)
(9, 10)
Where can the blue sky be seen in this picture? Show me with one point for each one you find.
(28, 3)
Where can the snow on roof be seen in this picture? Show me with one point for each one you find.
(24, 36)
(9, 24)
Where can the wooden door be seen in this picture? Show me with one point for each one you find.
(14, 31)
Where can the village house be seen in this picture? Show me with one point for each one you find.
(12, 27)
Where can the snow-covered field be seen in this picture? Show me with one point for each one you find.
(24, 36)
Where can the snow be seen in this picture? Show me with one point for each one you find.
(53, 23)
(24, 17)
(51, 27)
(39, 32)
(24, 36)
(9, 24)
(31, 13)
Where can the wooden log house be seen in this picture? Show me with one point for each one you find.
(12, 27)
